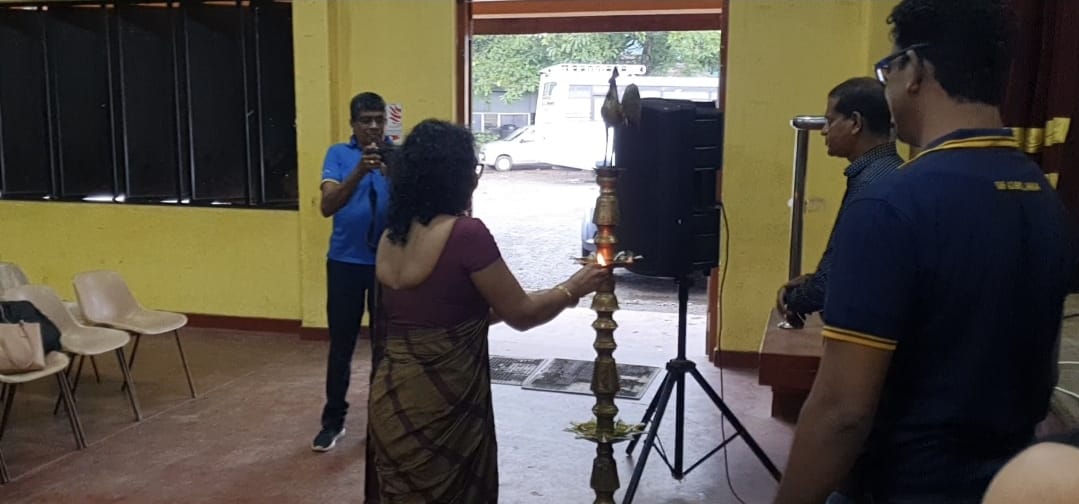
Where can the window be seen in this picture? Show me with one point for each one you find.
(548, 89)
(138, 102)
(577, 91)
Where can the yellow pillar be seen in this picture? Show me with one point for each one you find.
(783, 58)
(401, 50)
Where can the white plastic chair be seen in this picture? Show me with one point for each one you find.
(106, 300)
(55, 364)
(76, 338)
(11, 275)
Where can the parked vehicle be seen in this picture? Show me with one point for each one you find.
(521, 147)
(578, 145)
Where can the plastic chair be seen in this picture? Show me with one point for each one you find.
(78, 339)
(106, 300)
(11, 275)
(55, 364)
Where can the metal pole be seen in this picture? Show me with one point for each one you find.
(802, 126)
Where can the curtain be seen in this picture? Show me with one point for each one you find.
(1042, 94)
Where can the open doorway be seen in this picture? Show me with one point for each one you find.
(536, 82)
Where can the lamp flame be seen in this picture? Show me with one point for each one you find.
(600, 259)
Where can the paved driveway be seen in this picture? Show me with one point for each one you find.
(535, 216)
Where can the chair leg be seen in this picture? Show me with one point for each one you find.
(72, 413)
(97, 375)
(59, 398)
(183, 359)
(4, 477)
(131, 360)
(78, 375)
(9, 400)
(129, 384)
(134, 350)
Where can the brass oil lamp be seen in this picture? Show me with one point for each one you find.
(604, 429)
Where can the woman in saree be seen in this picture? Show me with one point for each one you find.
(441, 283)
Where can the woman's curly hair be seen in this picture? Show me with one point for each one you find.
(435, 174)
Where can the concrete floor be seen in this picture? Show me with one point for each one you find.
(246, 438)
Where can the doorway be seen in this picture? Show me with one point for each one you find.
(529, 64)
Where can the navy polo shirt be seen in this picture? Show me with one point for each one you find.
(959, 265)
(358, 225)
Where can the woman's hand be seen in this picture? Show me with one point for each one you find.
(588, 279)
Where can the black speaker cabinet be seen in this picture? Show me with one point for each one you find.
(667, 187)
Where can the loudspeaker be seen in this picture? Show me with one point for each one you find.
(668, 164)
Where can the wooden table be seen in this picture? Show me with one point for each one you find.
(788, 363)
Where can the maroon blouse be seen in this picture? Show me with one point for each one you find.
(447, 297)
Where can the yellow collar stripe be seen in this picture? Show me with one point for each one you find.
(982, 142)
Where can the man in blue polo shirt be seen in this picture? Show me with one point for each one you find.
(944, 305)
(356, 193)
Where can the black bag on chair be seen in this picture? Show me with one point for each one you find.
(25, 311)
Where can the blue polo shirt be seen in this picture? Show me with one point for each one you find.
(358, 225)
(959, 265)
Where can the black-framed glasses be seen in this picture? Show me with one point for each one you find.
(885, 63)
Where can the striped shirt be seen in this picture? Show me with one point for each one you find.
(874, 165)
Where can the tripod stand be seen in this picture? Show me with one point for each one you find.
(675, 379)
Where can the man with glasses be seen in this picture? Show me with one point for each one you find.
(945, 297)
(859, 129)
(355, 192)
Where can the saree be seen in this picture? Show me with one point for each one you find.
(430, 417)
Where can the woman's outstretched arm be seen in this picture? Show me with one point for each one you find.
(524, 310)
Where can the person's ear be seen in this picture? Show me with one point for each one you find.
(919, 70)
(857, 123)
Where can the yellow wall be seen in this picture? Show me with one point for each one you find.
(783, 57)
(403, 50)
(195, 260)
(255, 263)
(878, 31)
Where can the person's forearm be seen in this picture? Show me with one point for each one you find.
(549, 303)
(543, 306)
(335, 198)
(807, 297)
(826, 445)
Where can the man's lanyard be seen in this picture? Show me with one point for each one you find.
(372, 239)
(981, 142)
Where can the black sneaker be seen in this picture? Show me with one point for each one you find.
(327, 439)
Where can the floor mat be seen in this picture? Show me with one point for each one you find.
(575, 377)
(512, 370)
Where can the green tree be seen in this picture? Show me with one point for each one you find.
(511, 63)
(508, 63)
(697, 51)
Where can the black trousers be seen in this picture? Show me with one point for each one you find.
(350, 291)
